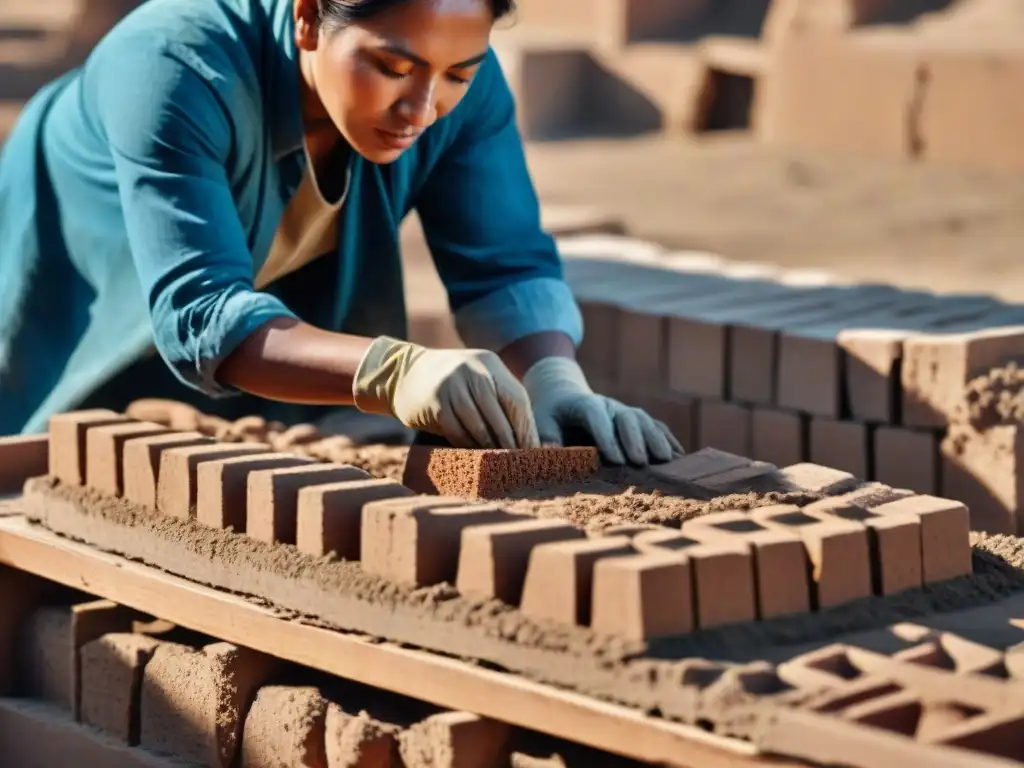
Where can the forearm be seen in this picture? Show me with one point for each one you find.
(290, 361)
(520, 355)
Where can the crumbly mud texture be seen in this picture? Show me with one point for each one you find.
(491, 474)
(994, 399)
(340, 595)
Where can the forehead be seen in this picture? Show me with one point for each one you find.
(439, 31)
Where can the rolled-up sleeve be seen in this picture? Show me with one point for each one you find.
(481, 218)
(171, 138)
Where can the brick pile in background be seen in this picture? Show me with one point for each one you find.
(794, 366)
(861, 539)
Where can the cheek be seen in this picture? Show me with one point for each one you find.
(351, 90)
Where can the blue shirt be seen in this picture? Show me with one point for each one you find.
(140, 194)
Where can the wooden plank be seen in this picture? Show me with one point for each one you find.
(428, 677)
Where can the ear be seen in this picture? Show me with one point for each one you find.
(307, 30)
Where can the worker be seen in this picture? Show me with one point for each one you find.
(210, 208)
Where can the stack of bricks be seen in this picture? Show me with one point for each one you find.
(861, 539)
(112, 687)
(869, 379)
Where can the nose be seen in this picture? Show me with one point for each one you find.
(418, 106)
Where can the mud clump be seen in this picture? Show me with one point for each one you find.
(994, 399)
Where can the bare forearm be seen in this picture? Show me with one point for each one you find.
(520, 355)
(290, 361)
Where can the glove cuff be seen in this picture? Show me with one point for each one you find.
(551, 375)
(381, 370)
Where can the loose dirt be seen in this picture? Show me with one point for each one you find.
(995, 399)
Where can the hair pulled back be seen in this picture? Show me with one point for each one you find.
(341, 13)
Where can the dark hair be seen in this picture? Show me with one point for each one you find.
(341, 13)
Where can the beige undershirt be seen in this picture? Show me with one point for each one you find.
(308, 227)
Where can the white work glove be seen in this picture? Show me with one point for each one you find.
(563, 400)
(466, 396)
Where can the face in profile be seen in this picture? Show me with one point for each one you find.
(384, 80)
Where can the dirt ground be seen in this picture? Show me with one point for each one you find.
(941, 228)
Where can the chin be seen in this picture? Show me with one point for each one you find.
(379, 156)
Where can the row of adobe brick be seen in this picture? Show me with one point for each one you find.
(694, 325)
(109, 687)
(636, 581)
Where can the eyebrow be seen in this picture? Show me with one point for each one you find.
(407, 54)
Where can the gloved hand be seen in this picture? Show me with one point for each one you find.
(466, 396)
(562, 399)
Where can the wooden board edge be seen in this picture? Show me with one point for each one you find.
(441, 681)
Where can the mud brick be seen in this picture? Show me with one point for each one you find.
(492, 474)
(111, 670)
(899, 712)
(937, 369)
(955, 654)
(777, 437)
(751, 365)
(104, 452)
(872, 371)
(51, 639)
(176, 491)
(677, 412)
(983, 469)
(810, 373)
(838, 551)
(493, 558)
(725, 426)
(21, 593)
(868, 496)
(358, 740)
(330, 517)
(760, 477)
(597, 351)
(997, 733)
(416, 541)
(175, 415)
(698, 465)
(641, 342)
(643, 596)
(22, 457)
(722, 573)
(630, 530)
(907, 458)
(285, 726)
(840, 444)
(945, 535)
(815, 478)
(453, 739)
(193, 702)
(560, 576)
(272, 497)
(222, 486)
(895, 541)
(780, 566)
(67, 441)
(696, 352)
(827, 668)
(142, 459)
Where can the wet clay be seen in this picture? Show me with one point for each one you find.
(995, 399)
(340, 595)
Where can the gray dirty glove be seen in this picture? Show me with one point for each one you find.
(466, 396)
(563, 400)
